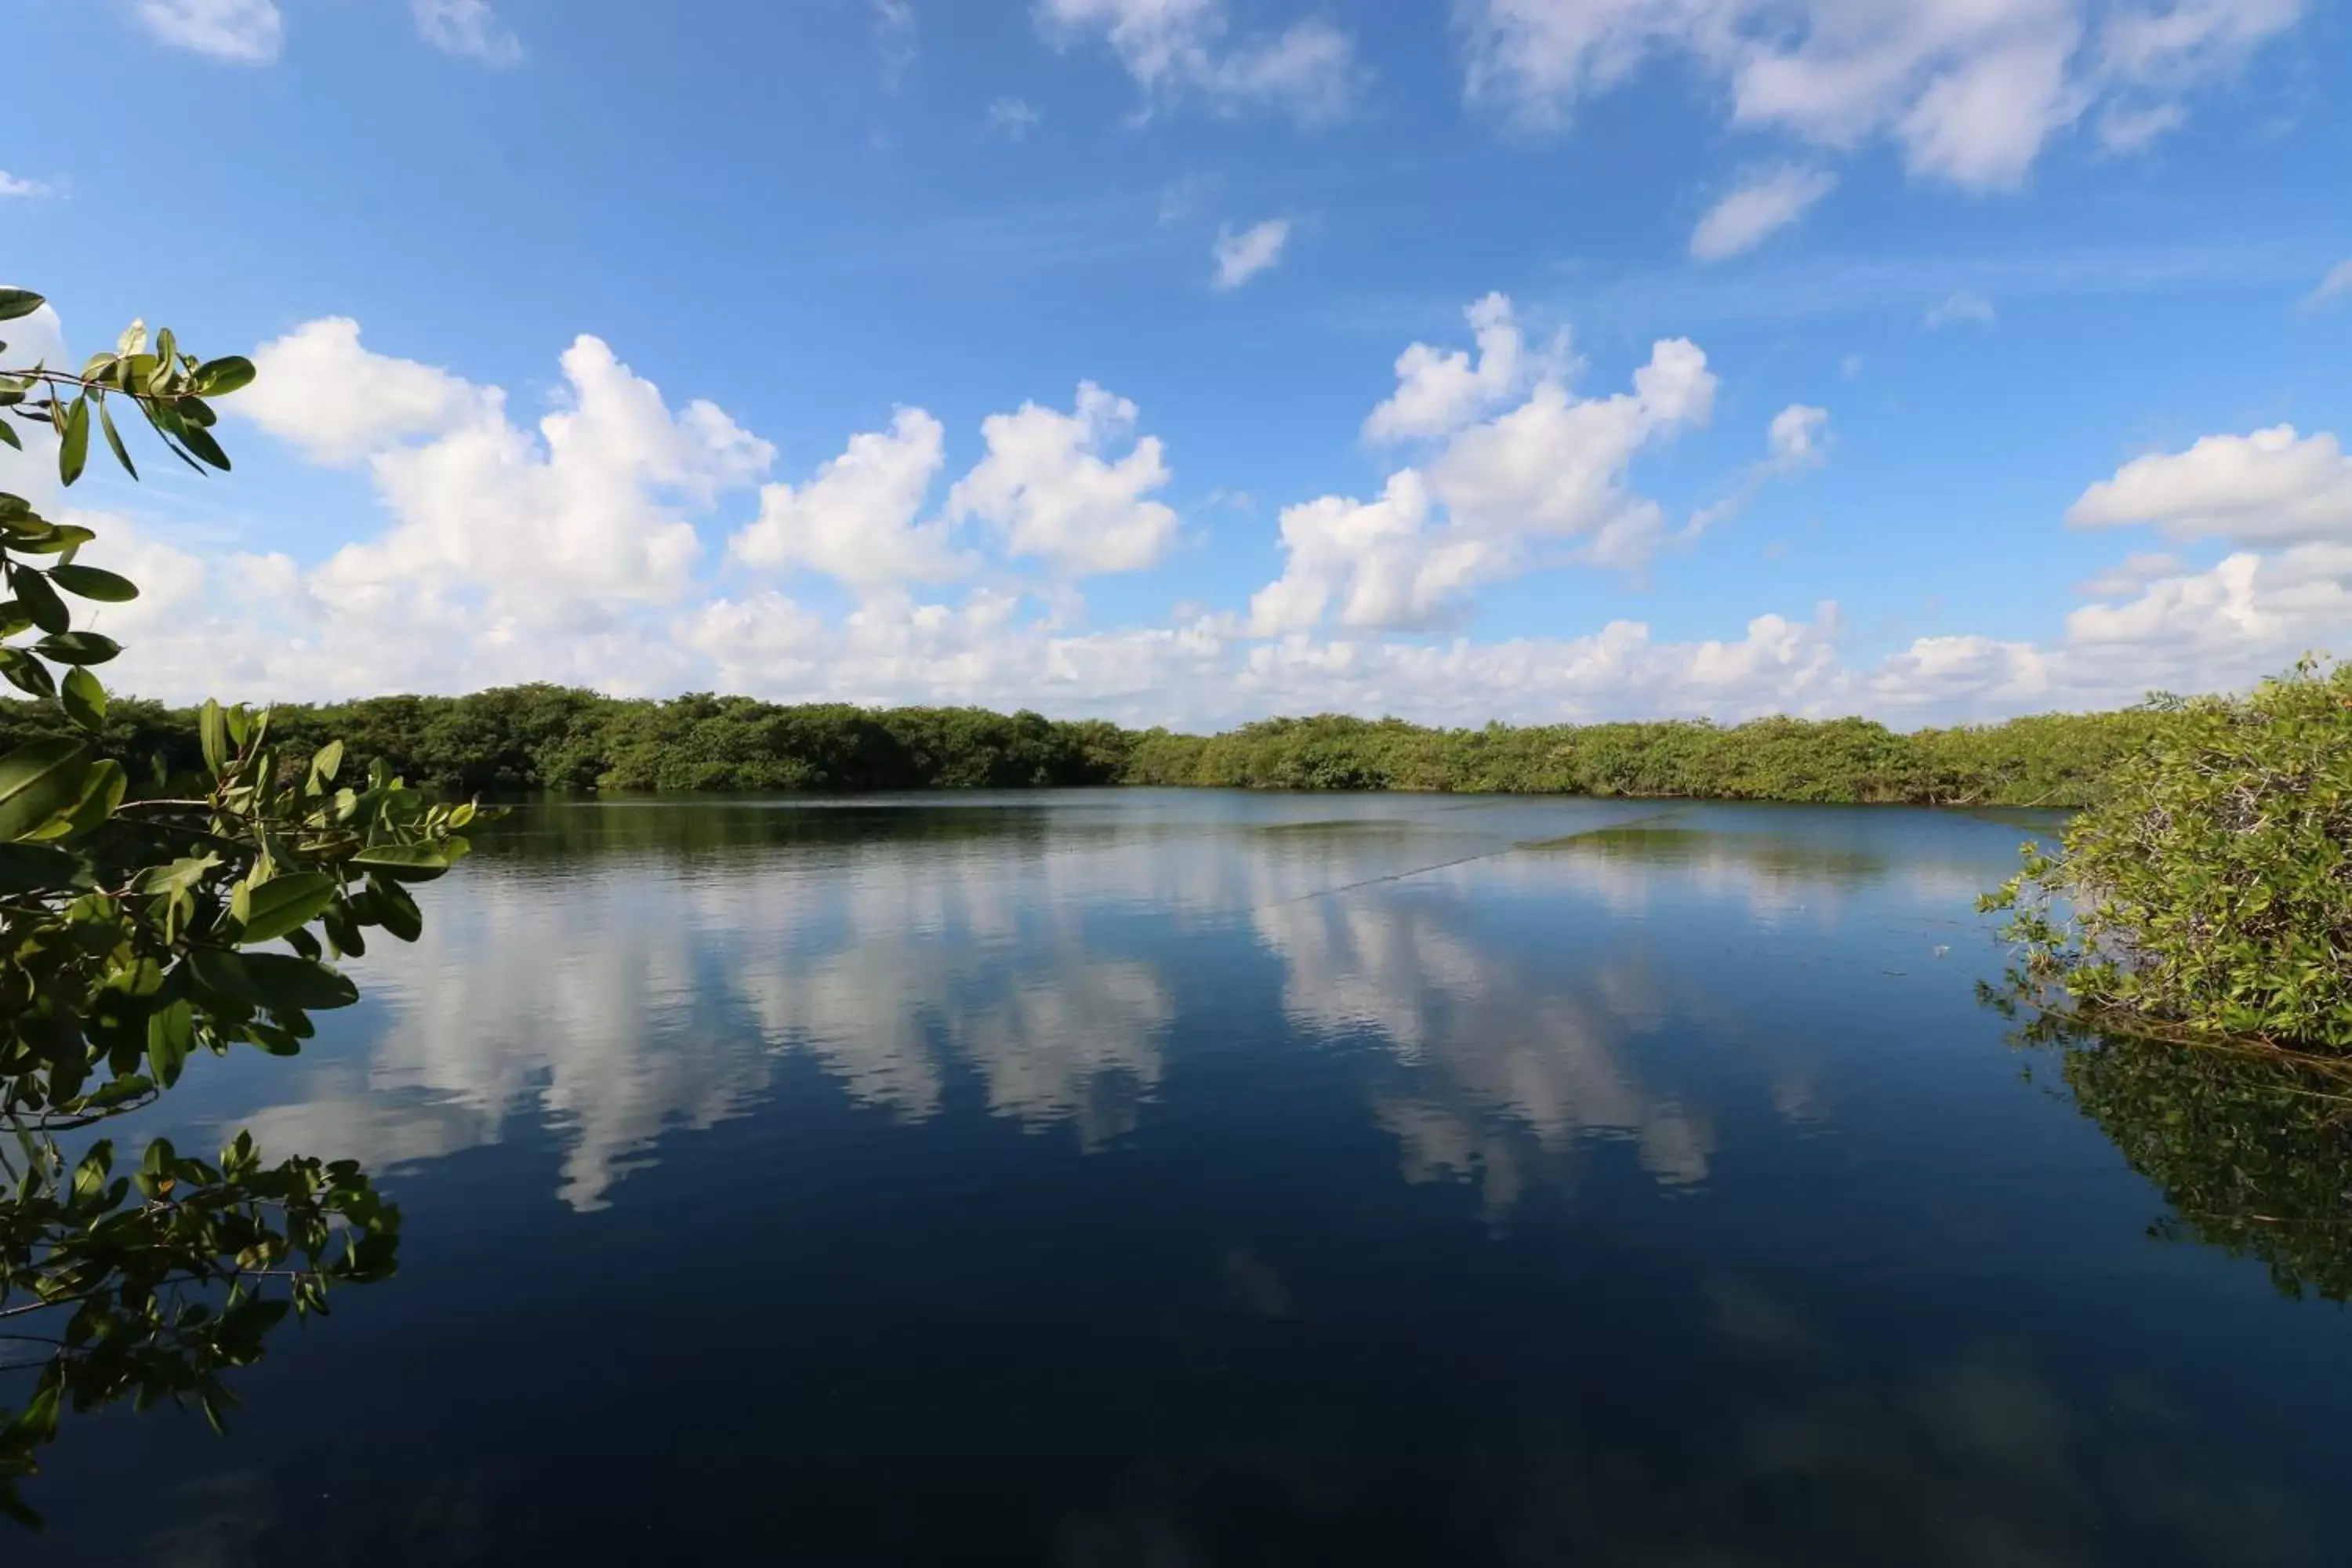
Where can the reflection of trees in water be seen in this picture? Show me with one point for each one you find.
(2252, 1152)
(1774, 874)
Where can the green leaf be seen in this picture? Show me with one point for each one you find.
(40, 868)
(406, 862)
(328, 761)
(77, 648)
(40, 601)
(286, 903)
(37, 782)
(83, 698)
(275, 980)
(15, 303)
(199, 440)
(54, 540)
(115, 439)
(211, 726)
(394, 910)
(26, 673)
(219, 377)
(102, 793)
(8, 433)
(92, 582)
(75, 450)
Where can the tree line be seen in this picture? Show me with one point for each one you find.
(541, 737)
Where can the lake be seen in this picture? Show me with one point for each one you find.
(1166, 1179)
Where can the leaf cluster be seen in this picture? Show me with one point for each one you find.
(150, 908)
(150, 1286)
(2211, 888)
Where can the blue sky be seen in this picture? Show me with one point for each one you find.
(1936, 360)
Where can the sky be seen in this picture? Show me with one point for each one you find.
(1187, 361)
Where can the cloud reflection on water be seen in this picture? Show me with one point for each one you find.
(616, 994)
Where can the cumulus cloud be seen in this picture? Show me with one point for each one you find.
(2247, 616)
(2132, 573)
(2270, 488)
(570, 549)
(1971, 91)
(1175, 49)
(1048, 489)
(1795, 436)
(1241, 256)
(1555, 466)
(1548, 475)
(1375, 559)
(857, 519)
(557, 531)
(320, 389)
(243, 32)
(15, 185)
(1760, 207)
(508, 552)
(1439, 390)
(468, 29)
(1963, 308)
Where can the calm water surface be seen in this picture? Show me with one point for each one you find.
(1186, 1179)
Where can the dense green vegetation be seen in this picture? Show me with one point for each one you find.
(2210, 889)
(170, 886)
(546, 737)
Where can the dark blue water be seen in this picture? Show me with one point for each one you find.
(1189, 1179)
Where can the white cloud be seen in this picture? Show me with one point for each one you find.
(319, 388)
(2133, 574)
(1439, 391)
(13, 185)
(1047, 488)
(1012, 118)
(2247, 616)
(1555, 466)
(1241, 256)
(1619, 671)
(466, 27)
(1175, 47)
(1963, 308)
(1761, 206)
(2334, 287)
(508, 554)
(2269, 488)
(1970, 90)
(244, 32)
(570, 551)
(559, 532)
(1543, 481)
(1797, 438)
(2125, 127)
(1375, 558)
(857, 519)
